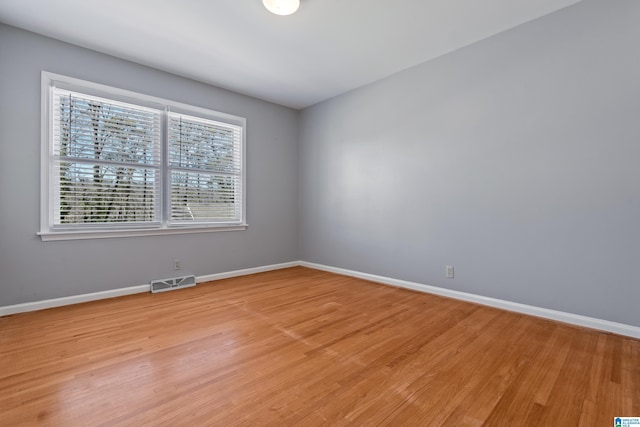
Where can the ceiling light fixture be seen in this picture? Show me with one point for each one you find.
(281, 7)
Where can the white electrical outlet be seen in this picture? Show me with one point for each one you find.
(449, 271)
(177, 264)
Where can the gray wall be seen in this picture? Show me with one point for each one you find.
(516, 159)
(32, 270)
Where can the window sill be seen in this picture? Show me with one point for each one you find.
(108, 234)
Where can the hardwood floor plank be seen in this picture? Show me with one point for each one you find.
(306, 347)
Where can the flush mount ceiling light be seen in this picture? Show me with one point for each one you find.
(281, 7)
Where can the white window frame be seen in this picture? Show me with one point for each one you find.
(49, 232)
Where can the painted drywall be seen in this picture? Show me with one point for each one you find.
(516, 160)
(32, 270)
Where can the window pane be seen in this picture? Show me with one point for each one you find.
(204, 197)
(203, 144)
(94, 194)
(91, 128)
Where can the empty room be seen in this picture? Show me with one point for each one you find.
(319, 213)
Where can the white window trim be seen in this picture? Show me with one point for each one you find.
(47, 233)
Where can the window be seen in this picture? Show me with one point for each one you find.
(117, 163)
(205, 170)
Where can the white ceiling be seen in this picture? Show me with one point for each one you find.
(328, 47)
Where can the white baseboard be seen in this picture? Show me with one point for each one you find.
(246, 271)
(560, 316)
(574, 319)
(75, 299)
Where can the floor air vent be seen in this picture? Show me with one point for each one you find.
(164, 285)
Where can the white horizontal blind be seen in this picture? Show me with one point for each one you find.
(105, 163)
(205, 170)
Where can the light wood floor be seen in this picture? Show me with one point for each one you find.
(300, 347)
